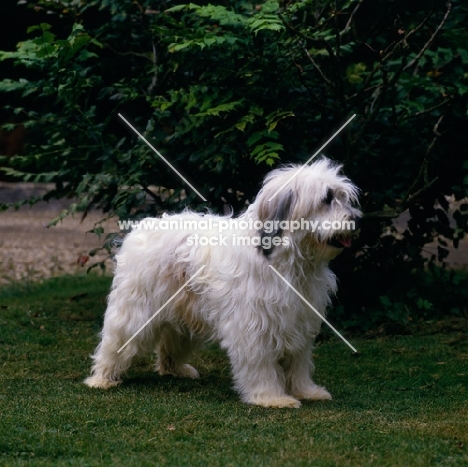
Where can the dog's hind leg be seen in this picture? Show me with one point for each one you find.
(109, 365)
(174, 349)
(119, 344)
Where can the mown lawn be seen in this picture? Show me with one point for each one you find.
(402, 402)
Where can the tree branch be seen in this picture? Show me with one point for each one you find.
(314, 63)
(154, 80)
(351, 17)
(431, 39)
(388, 52)
(410, 197)
(311, 40)
(151, 193)
(426, 111)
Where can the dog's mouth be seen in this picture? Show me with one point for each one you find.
(344, 239)
(340, 241)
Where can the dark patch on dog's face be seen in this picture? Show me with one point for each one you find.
(330, 196)
(282, 211)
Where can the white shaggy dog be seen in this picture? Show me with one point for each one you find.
(236, 299)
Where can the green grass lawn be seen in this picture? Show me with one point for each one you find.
(402, 402)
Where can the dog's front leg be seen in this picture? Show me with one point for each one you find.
(258, 377)
(298, 368)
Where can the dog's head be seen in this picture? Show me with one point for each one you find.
(313, 207)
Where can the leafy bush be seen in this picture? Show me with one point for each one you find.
(228, 91)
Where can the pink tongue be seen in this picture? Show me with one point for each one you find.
(346, 242)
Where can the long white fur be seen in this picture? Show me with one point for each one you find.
(266, 329)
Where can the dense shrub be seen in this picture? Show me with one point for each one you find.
(228, 91)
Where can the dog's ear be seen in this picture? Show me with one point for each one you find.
(280, 208)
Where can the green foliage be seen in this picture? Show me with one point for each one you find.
(429, 296)
(227, 91)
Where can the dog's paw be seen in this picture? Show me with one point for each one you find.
(314, 393)
(278, 402)
(188, 371)
(96, 382)
(184, 371)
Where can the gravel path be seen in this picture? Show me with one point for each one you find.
(31, 251)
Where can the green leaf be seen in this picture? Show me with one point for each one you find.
(8, 85)
(39, 27)
(222, 108)
(355, 72)
(275, 117)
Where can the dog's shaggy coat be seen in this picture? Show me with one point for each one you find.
(237, 299)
